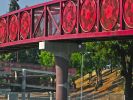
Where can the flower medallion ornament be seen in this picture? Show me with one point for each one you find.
(109, 13)
(3, 30)
(25, 25)
(13, 27)
(69, 17)
(128, 13)
(88, 15)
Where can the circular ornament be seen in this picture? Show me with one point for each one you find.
(3, 30)
(109, 13)
(13, 27)
(88, 15)
(128, 13)
(69, 17)
(25, 24)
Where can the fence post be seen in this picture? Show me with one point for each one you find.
(23, 84)
(28, 96)
(51, 95)
(69, 98)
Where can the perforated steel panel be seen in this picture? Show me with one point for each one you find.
(109, 13)
(128, 13)
(25, 25)
(69, 17)
(3, 30)
(88, 15)
(13, 27)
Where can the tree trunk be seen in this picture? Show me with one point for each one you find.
(127, 73)
(128, 89)
(90, 76)
(128, 82)
(99, 78)
(96, 85)
(111, 68)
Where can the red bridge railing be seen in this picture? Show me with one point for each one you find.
(67, 20)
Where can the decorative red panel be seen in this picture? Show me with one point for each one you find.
(25, 25)
(69, 17)
(88, 15)
(109, 13)
(3, 30)
(13, 27)
(128, 13)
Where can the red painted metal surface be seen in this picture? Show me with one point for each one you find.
(88, 15)
(3, 30)
(25, 25)
(69, 17)
(13, 27)
(38, 16)
(109, 13)
(67, 20)
(128, 13)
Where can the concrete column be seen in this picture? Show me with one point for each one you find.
(61, 78)
(62, 52)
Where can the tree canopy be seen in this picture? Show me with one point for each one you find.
(46, 59)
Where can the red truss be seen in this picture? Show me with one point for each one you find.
(25, 25)
(69, 17)
(88, 15)
(109, 13)
(128, 13)
(3, 30)
(13, 27)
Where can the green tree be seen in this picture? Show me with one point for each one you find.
(75, 60)
(98, 58)
(123, 49)
(46, 59)
(13, 5)
(28, 56)
(6, 57)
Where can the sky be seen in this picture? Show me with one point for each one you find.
(4, 4)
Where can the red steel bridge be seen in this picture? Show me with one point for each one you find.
(66, 20)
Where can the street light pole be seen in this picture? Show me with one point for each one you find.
(82, 66)
(82, 76)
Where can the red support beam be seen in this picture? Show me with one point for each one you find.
(121, 14)
(98, 15)
(31, 26)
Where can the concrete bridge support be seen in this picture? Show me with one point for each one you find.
(62, 52)
(61, 78)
